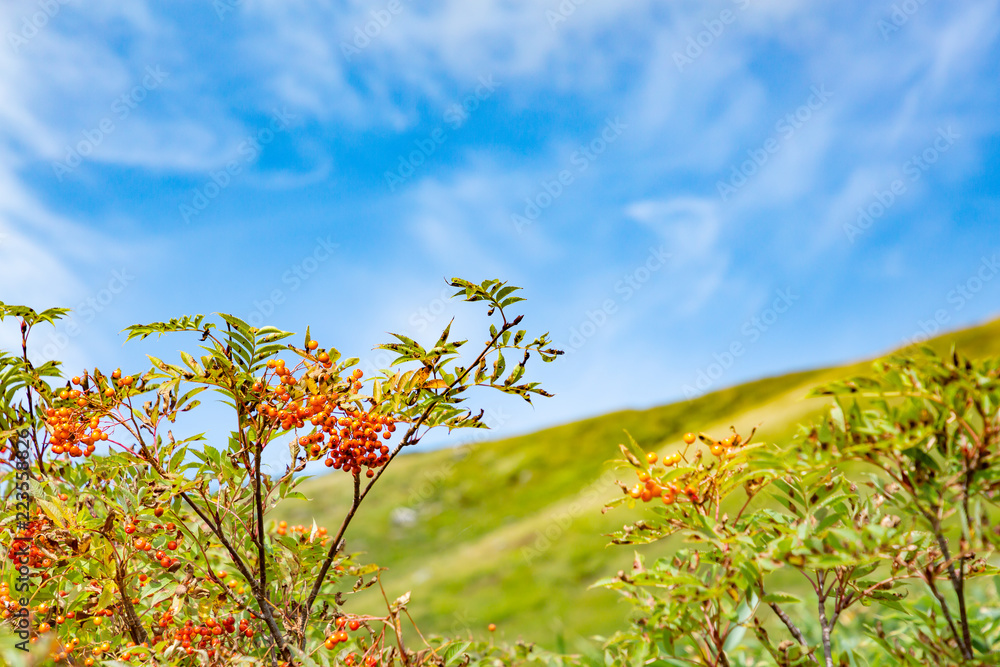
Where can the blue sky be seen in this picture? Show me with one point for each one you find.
(692, 194)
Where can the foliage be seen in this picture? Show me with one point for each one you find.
(885, 502)
(868, 538)
(521, 514)
(155, 552)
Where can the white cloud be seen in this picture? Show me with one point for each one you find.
(423, 54)
(50, 85)
(691, 230)
(689, 225)
(463, 218)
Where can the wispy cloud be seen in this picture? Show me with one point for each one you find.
(703, 90)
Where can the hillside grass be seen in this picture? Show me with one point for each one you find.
(511, 531)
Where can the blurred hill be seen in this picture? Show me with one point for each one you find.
(511, 531)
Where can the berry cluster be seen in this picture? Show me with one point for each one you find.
(24, 549)
(725, 446)
(356, 443)
(348, 437)
(214, 636)
(47, 618)
(648, 488)
(671, 460)
(170, 543)
(207, 635)
(370, 660)
(341, 635)
(302, 532)
(74, 419)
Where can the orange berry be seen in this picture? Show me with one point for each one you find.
(312, 345)
(651, 458)
(690, 437)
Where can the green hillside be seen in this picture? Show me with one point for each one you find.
(511, 531)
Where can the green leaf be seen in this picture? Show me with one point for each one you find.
(780, 598)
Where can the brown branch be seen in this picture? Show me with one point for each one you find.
(788, 623)
(929, 580)
(338, 544)
(135, 627)
(259, 537)
(25, 329)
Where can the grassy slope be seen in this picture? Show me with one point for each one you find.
(511, 531)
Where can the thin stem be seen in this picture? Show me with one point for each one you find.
(25, 329)
(420, 634)
(750, 496)
(824, 625)
(335, 547)
(784, 618)
(396, 625)
(929, 580)
(957, 582)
